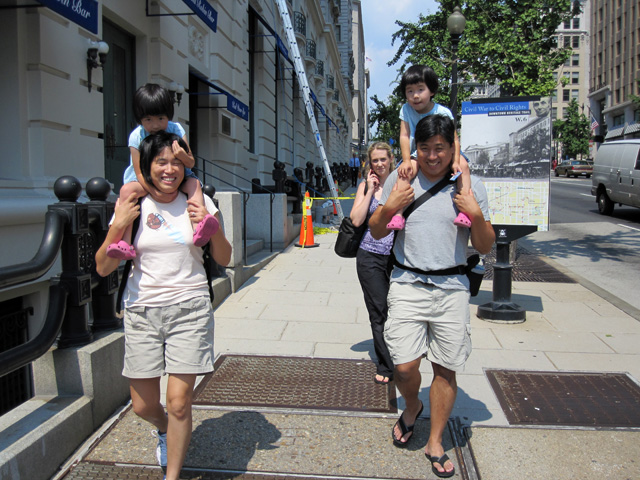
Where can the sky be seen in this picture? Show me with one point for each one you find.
(379, 25)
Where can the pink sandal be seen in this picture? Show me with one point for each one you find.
(121, 250)
(396, 223)
(206, 229)
(462, 220)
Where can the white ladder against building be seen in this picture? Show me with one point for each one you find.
(306, 95)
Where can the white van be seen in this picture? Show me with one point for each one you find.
(616, 175)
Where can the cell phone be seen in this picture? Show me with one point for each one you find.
(455, 176)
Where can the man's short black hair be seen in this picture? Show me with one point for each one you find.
(150, 148)
(419, 73)
(433, 125)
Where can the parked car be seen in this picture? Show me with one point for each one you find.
(616, 175)
(574, 168)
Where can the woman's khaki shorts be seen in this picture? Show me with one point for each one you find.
(176, 339)
(424, 320)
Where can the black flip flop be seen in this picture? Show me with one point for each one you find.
(381, 382)
(441, 460)
(404, 429)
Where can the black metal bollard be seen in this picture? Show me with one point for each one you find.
(318, 176)
(104, 292)
(77, 260)
(279, 176)
(298, 190)
(309, 172)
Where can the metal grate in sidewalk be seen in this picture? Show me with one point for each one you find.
(97, 471)
(567, 398)
(295, 382)
(528, 267)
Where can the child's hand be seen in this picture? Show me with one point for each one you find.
(180, 152)
(407, 170)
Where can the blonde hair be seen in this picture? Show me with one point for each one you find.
(378, 146)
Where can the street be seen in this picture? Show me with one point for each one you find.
(604, 250)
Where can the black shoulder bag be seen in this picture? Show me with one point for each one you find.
(475, 278)
(349, 236)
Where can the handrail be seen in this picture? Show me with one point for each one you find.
(25, 353)
(44, 258)
(245, 199)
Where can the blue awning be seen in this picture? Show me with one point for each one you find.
(83, 13)
(234, 105)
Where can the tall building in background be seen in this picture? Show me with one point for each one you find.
(615, 68)
(360, 76)
(573, 75)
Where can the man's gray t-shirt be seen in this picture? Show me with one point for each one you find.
(430, 240)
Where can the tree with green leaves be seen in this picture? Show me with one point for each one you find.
(573, 132)
(636, 98)
(506, 42)
(385, 115)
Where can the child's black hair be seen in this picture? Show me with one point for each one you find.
(150, 148)
(433, 125)
(152, 99)
(419, 73)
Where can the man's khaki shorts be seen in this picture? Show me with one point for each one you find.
(424, 320)
(176, 339)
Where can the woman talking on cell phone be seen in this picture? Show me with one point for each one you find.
(373, 261)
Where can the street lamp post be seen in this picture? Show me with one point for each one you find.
(455, 24)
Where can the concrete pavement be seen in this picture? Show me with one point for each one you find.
(307, 303)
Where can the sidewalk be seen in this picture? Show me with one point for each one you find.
(307, 303)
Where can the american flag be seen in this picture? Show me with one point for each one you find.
(368, 59)
(594, 123)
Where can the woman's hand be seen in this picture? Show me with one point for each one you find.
(196, 211)
(372, 181)
(126, 211)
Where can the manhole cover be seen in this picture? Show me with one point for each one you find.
(569, 399)
(295, 382)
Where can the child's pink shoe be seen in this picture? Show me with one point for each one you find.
(462, 220)
(206, 229)
(396, 223)
(121, 250)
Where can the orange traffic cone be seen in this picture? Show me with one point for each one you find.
(306, 228)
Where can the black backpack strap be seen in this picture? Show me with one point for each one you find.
(208, 263)
(426, 196)
(127, 267)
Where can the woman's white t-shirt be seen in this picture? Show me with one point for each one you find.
(168, 268)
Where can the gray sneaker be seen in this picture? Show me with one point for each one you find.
(161, 449)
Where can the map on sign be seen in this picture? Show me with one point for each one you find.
(507, 142)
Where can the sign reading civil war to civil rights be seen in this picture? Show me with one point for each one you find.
(508, 144)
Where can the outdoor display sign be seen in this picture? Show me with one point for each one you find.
(507, 142)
